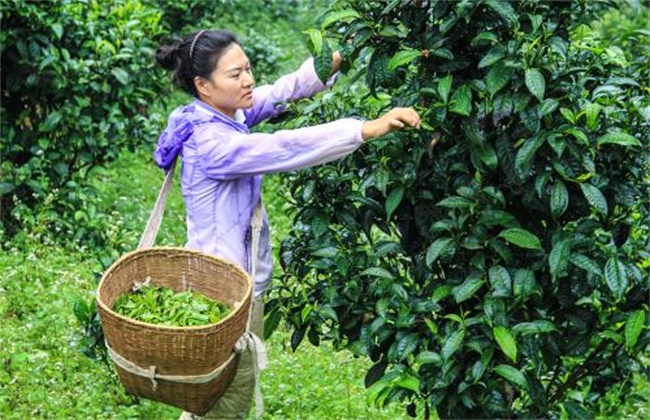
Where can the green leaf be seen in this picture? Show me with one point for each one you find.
(444, 87)
(504, 10)
(594, 197)
(437, 248)
(534, 327)
(455, 202)
(316, 41)
(453, 343)
(575, 410)
(468, 288)
(536, 83)
(559, 198)
(524, 283)
(616, 277)
(584, 262)
(621, 139)
(506, 341)
(526, 153)
(498, 77)
(337, 16)
(403, 57)
(52, 121)
(521, 237)
(568, 115)
(558, 259)
(409, 382)
(512, 374)
(500, 280)
(428, 358)
(493, 56)
(323, 62)
(121, 75)
(377, 272)
(633, 328)
(461, 101)
(407, 345)
(441, 292)
(393, 200)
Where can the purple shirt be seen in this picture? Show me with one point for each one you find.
(223, 163)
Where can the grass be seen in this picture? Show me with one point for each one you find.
(44, 373)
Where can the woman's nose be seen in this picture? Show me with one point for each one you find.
(249, 80)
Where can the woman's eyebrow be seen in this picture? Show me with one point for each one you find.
(238, 68)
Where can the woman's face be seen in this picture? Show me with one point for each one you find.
(231, 83)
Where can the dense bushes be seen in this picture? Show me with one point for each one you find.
(494, 264)
(77, 85)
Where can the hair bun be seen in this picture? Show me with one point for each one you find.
(167, 57)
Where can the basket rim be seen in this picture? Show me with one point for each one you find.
(170, 328)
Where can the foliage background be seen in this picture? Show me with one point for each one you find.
(66, 237)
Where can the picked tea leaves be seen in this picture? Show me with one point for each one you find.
(161, 305)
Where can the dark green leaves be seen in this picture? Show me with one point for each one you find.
(595, 197)
(499, 76)
(618, 138)
(616, 277)
(461, 101)
(453, 343)
(521, 237)
(559, 198)
(437, 248)
(535, 83)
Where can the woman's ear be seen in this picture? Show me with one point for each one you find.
(201, 86)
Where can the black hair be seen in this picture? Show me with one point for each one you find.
(196, 54)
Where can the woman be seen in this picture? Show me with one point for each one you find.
(223, 162)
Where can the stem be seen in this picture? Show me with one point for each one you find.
(580, 371)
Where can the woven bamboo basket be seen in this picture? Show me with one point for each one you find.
(175, 351)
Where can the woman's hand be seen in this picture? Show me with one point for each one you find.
(336, 62)
(393, 120)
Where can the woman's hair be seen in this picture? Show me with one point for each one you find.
(196, 54)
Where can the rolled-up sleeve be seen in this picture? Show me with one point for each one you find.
(267, 100)
(226, 154)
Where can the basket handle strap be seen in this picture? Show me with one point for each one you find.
(153, 225)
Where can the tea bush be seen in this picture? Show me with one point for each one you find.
(77, 84)
(494, 264)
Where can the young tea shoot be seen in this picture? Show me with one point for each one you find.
(160, 305)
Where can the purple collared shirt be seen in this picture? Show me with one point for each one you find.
(223, 164)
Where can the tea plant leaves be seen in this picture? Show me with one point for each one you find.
(453, 343)
(506, 341)
(586, 263)
(461, 101)
(501, 281)
(377, 272)
(468, 288)
(633, 327)
(338, 16)
(444, 87)
(512, 374)
(393, 200)
(621, 139)
(535, 83)
(616, 276)
(403, 57)
(534, 327)
(559, 198)
(594, 197)
(498, 77)
(558, 259)
(437, 248)
(521, 237)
